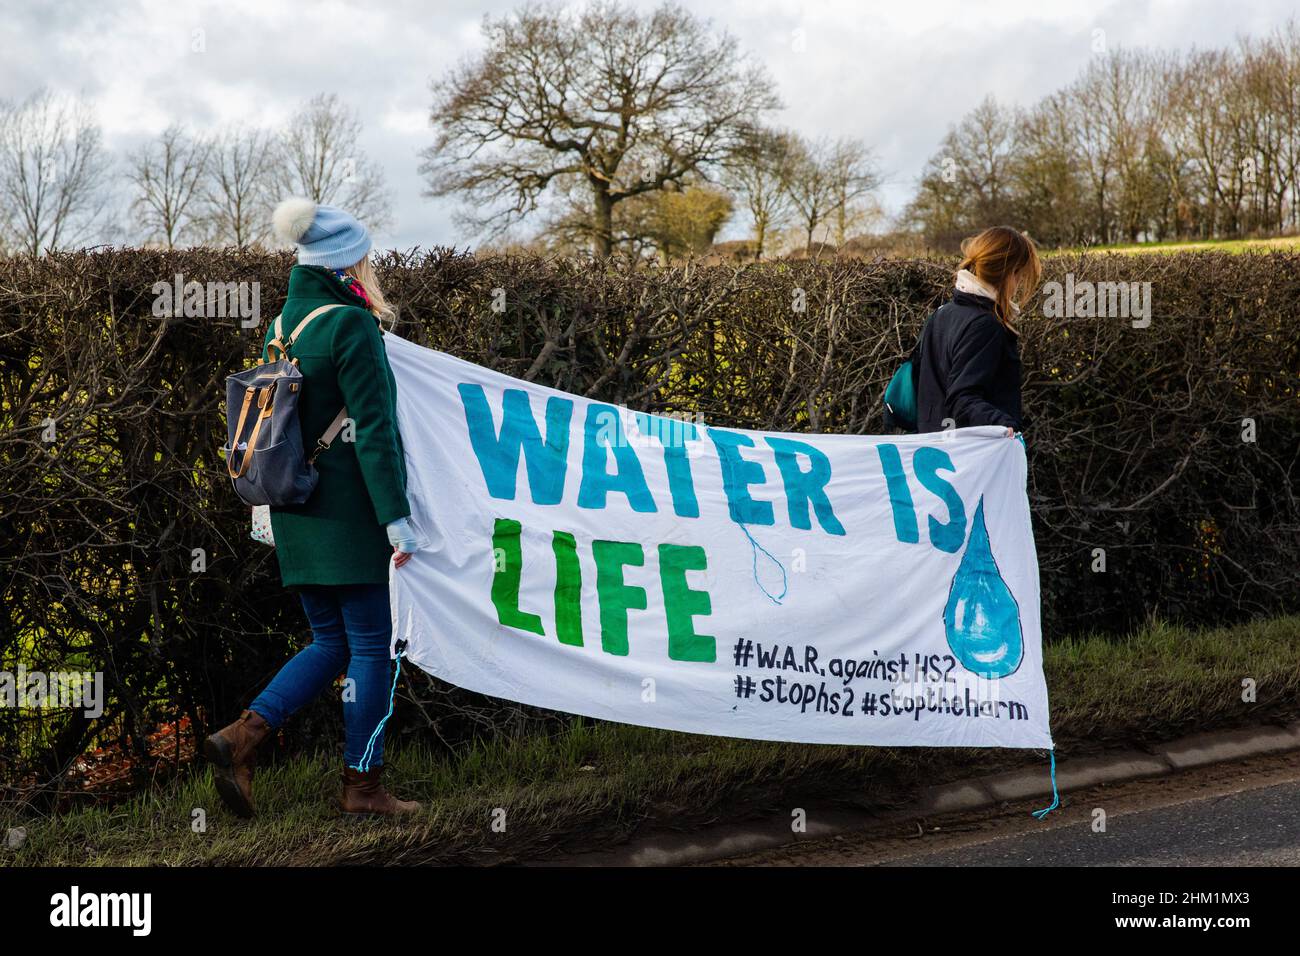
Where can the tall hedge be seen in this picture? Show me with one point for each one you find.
(125, 551)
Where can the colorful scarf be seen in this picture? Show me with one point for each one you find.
(352, 285)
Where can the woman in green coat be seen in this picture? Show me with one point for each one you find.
(336, 548)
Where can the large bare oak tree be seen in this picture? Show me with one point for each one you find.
(619, 101)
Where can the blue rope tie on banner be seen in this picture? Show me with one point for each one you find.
(754, 548)
(369, 753)
(1056, 797)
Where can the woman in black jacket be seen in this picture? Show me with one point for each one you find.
(968, 366)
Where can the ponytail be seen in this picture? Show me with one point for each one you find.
(996, 257)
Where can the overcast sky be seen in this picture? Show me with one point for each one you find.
(894, 74)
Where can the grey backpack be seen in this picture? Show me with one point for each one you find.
(264, 451)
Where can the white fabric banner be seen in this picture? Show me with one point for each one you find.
(850, 589)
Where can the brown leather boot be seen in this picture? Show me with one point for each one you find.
(233, 753)
(363, 793)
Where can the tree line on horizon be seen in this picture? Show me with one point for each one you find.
(61, 188)
(605, 130)
(1142, 146)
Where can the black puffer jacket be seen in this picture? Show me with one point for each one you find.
(967, 367)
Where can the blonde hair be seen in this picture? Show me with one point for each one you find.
(995, 257)
(364, 272)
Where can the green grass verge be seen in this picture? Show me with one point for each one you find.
(1234, 246)
(596, 783)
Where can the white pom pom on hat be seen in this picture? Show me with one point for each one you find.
(292, 218)
(325, 235)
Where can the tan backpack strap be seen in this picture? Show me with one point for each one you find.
(293, 336)
(276, 342)
(239, 430)
(279, 341)
(265, 403)
(327, 437)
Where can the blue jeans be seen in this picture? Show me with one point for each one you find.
(351, 626)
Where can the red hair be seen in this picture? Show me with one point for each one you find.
(995, 257)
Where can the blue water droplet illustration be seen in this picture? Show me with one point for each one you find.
(982, 618)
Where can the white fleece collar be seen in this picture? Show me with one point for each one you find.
(967, 282)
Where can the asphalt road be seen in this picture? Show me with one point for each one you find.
(1251, 828)
(1245, 813)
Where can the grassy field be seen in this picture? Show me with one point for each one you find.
(597, 783)
(1235, 246)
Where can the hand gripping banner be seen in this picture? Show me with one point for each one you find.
(849, 589)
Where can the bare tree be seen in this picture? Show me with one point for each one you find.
(1209, 143)
(852, 176)
(1048, 191)
(809, 187)
(759, 172)
(1092, 99)
(968, 183)
(319, 157)
(239, 191)
(1268, 76)
(826, 178)
(622, 102)
(981, 152)
(1286, 41)
(53, 174)
(167, 175)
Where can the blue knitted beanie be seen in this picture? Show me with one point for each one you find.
(325, 235)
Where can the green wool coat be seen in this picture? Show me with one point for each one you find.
(337, 536)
